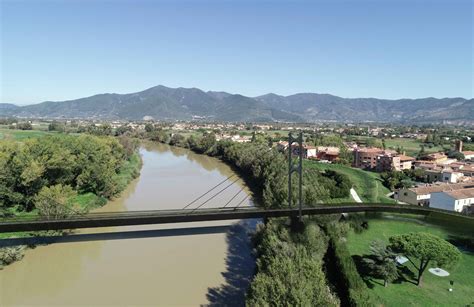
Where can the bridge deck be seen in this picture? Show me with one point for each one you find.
(130, 218)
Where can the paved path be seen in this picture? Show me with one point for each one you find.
(355, 196)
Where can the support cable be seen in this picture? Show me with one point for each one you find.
(209, 191)
(233, 197)
(213, 196)
(247, 196)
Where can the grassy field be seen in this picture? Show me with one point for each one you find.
(411, 146)
(367, 184)
(19, 135)
(434, 291)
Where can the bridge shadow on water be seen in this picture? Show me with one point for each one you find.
(118, 235)
(240, 267)
(240, 261)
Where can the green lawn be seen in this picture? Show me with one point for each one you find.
(19, 135)
(434, 291)
(367, 184)
(411, 146)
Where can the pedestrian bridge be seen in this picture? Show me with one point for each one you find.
(130, 218)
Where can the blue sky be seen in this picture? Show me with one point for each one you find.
(58, 50)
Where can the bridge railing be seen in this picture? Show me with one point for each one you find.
(109, 219)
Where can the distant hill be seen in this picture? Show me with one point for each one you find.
(166, 103)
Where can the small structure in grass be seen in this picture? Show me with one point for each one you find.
(421, 249)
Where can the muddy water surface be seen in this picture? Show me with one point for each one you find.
(139, 266)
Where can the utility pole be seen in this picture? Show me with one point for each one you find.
(296, 167)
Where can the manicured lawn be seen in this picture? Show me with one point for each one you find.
(434, 291)
(19, 135)
(367, 184)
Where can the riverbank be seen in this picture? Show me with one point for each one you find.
(145, 265)
(275, 242)
(85, 202)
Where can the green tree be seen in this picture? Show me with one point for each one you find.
(455, 155)
(253, 137)
(149, 127)
(56, 126)
(421, 249)
(207, 141)
(159, 136)
(177, 140)
(382, 262)
(55, 202)
(422, 152)
(24, 126)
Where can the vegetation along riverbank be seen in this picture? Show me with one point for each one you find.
(316, 266)
(59, 175)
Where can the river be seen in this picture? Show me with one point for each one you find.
(140, 266)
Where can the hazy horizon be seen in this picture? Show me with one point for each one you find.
(217, 90)
(55, 51)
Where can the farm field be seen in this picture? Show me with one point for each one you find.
(19, 135)
(410, 146)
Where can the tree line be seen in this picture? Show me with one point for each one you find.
(53, 169)
(289, 265)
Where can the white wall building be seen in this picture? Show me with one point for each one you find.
(458, 200)
(422, 195)
(468, 155)
(451, 177)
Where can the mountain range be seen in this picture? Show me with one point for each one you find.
(164, 103)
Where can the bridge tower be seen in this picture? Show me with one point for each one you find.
(296, 166)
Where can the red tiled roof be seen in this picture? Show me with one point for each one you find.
(442, 188)
(461, 194)
(406, 158)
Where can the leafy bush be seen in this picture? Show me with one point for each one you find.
(86, 163)
(289, 268)
(356, 292)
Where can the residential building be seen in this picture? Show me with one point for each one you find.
(387, 163)
(451, 176)
(421, 195)
(308, 151)
(437, 157)
(458, 200)
(327, 153)
(367, 157)
(282, 146)
(390, 162)
(381, 160)
(468, 155)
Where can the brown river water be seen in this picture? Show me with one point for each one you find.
(140, 265)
